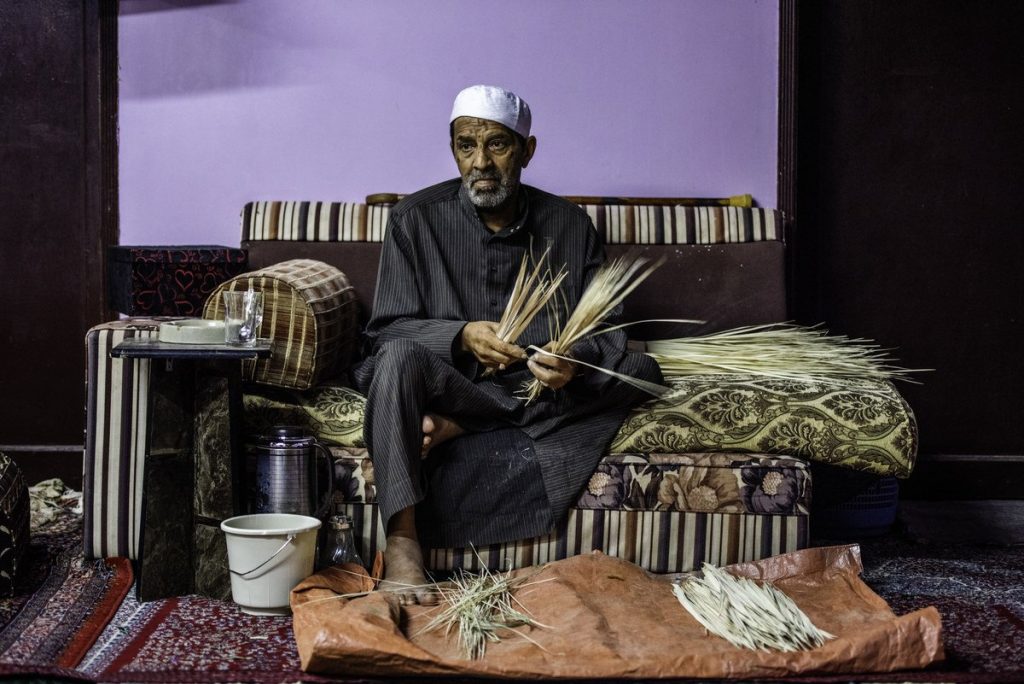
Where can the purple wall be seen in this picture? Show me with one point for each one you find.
(227, 101)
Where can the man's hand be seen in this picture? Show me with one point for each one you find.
(480, 339)
(552, 371)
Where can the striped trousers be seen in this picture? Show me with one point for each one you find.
(514, 472)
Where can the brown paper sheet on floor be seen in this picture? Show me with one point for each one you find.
(608, 618)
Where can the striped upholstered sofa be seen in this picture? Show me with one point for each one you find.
(716, 471)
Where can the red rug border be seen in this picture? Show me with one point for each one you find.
(136, 644)
(101, 615)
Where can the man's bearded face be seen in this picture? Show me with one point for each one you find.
(485, 196)
(490, 159)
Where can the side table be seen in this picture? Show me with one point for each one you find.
(195, 464)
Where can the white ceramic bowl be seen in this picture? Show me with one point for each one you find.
(192, 331)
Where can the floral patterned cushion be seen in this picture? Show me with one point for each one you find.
(698, 483)
(702, 483)
(353, 475)
(860, 424)
(333, 413)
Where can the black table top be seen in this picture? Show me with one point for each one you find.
(150, 348)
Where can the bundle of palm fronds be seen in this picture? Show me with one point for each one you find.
(783, 351)
(531, 293)
(610, 286)
(747, 614)
(480, 607)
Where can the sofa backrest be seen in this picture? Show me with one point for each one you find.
(724, 265)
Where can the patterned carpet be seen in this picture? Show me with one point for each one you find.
(193, 639)
(61, 602)
(979, 591)
(75, 620)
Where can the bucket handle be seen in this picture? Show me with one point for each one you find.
(272, 557)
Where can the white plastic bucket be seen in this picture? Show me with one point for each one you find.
(268, 554)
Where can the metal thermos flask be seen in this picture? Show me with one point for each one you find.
(285, 473)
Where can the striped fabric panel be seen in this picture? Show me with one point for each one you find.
(310, 313)
(314, 221)
(620, 224)
(115, 441)
(657, 225)
(658, 541)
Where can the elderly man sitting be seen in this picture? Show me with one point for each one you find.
(459, 459)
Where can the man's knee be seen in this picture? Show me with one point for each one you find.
(402, 358)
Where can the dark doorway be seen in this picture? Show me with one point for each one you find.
(910, 162)
(58, 162)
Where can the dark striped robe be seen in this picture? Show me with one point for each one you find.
(524, 464)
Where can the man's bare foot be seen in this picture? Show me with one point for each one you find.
(403, 571)
(437, 430)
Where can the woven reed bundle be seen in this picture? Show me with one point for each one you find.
(482, 607)
(610, 286)
(782, 351)
(747, 614)
(532, 292)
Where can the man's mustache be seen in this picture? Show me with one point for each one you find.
(483, 175)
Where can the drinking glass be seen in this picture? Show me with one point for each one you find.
(243, 313)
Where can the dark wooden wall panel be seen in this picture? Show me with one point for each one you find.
(910, 174)
(55, 190)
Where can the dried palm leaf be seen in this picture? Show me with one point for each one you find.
(747, 614)
(481, 607)
(531, 293)
(651, 388)
(610, 286)
(782, 351)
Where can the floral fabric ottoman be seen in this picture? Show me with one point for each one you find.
(664, 512)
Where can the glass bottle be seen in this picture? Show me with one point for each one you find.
(339, 544)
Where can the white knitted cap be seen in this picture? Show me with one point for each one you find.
(494, 104)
